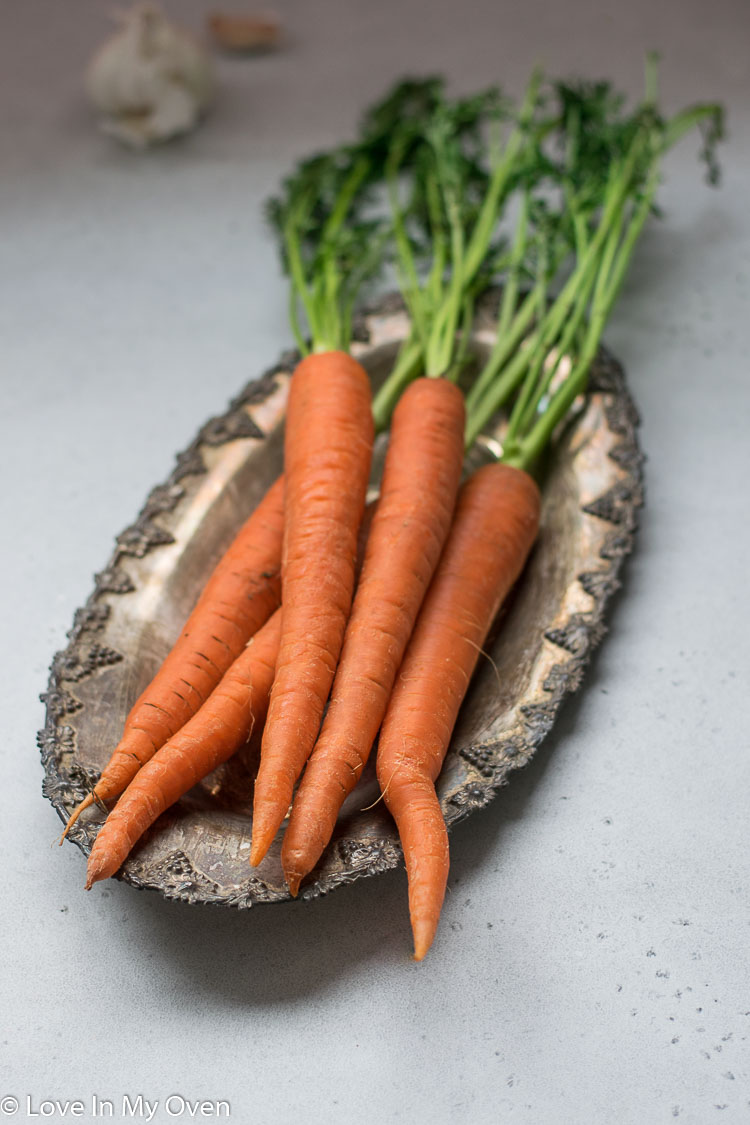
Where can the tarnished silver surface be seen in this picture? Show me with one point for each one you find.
(199, 850)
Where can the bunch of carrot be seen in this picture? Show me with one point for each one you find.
(332, 638)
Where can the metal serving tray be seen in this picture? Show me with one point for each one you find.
(198, 851)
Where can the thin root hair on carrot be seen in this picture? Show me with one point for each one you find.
(483, 652)
(91, 798)
(382, 795)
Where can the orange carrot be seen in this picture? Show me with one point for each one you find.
(223, 724)
(417, 496)
(327, 452)
(495, 526)
(242, 592)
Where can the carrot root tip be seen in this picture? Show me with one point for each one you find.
(264, 834)
(424, 934)
(97, 869)
(86, 803)
(293, 881)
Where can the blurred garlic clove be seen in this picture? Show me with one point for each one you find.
(234, 32)
(151, 80)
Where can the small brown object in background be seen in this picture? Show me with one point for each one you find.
(233, 32)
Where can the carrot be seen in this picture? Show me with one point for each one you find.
(417, 496)
(327, 453)
(227, 720)
(223, 724)
(495, 526)
(242, 592)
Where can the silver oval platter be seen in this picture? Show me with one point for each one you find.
(198, 851)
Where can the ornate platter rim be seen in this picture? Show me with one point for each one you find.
(574, 637)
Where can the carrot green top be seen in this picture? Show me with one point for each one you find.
(546, 199)
(606, 172)
(581, 171)
(329, 249)
(333, 238)
(445, 233)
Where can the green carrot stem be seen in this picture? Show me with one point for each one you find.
(405, 264)
(608, 280)
(294, 322)
(299, 287)
(337, 218)
(408, 362)
(493, 385)
(511, 374)
(615, 261)
(536, 364)
(329, 284)
(510, 290)
(318, 216)
(502, 172)
(580, 227)
(625, 252)
(441, 340)
(434, 286)
(530, 449)
(595, 283)
(503, 348)
(510, 439)
(505, 382)
(537, 389)
(462, 352)
(356, 278)
(485, 224)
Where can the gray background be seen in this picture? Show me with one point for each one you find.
(591, 965)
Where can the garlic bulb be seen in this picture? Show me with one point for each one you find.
(151, 80)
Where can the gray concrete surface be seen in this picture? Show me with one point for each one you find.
(591, 965)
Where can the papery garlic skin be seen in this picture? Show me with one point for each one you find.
(151, 80)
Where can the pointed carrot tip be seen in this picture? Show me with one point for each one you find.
(424, 934)
(87, 801)
(293, 881)
(294, 865)
(97, 869)
(262, 838)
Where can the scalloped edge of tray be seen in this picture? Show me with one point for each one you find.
(574, 637)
